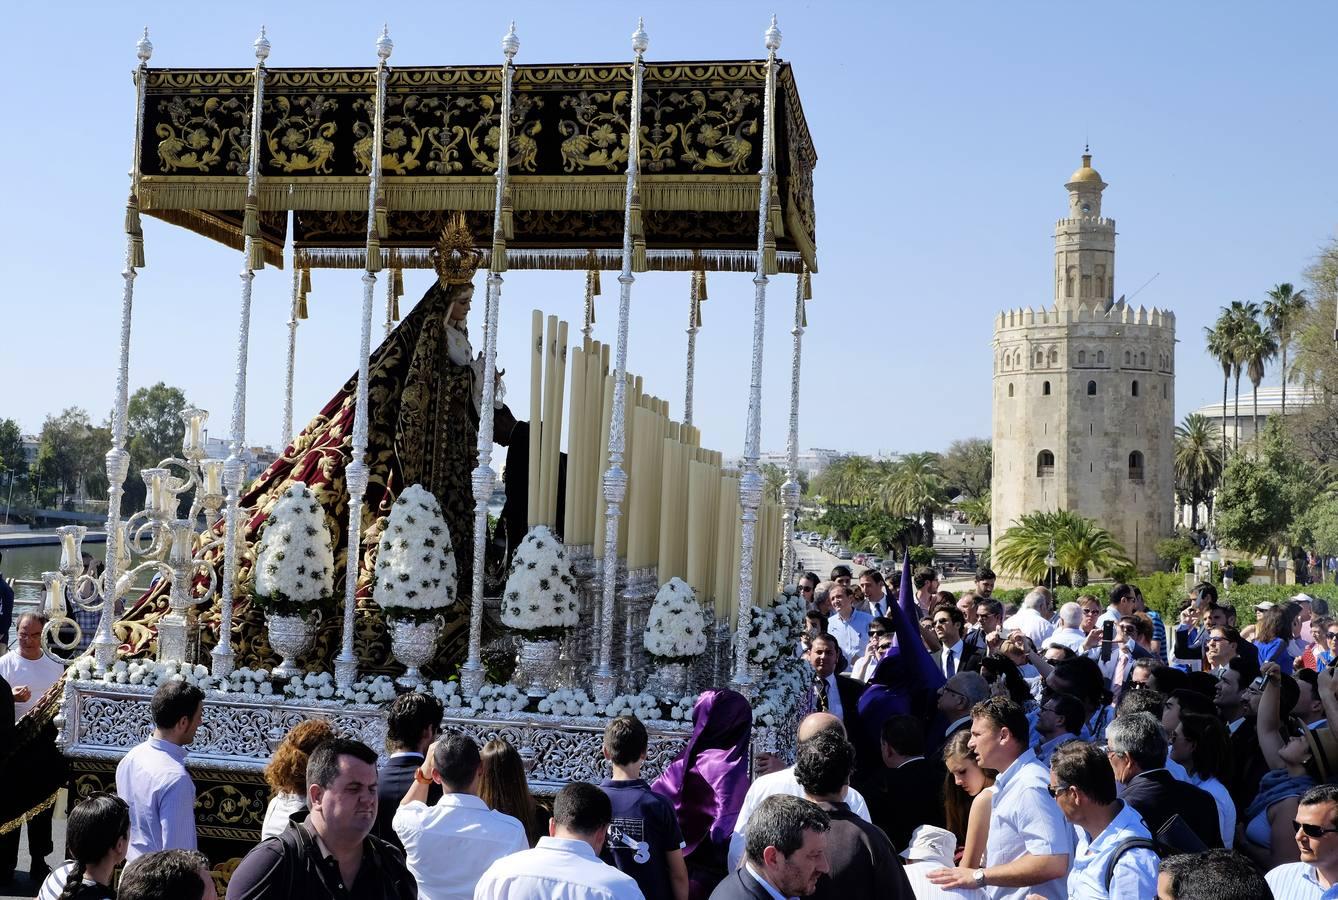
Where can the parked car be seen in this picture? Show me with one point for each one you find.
(842, 553)
(872, 561)
(813, 540)
(859, 559)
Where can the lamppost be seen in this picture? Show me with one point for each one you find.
(1050, 566)
(1211, 556)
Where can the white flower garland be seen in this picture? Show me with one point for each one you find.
(415, 565)
(540, 592)
(676, 624)
(775, 630)
(295, 559)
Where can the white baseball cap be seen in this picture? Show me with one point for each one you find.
(930, 843)
(1266, 605)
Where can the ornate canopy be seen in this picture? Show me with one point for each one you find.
(700, 156)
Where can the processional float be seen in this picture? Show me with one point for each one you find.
(682, 167)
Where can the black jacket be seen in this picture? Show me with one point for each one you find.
(864, 864)
(1158, 795)
(290, 867)
(971, 660)
(739, 885)
(901, 800)
(392, 783)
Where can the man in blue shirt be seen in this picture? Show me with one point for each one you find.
(644, 839)
(1114, 857)
(849, 626)
(1316, 826)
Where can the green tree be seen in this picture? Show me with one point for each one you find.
(1080, 547)
(1315, 424)
(1320, 525)
(967, 465)
(1242, 315)
(1258, 346)
(1262, 498)
(977, 511)
(154, 431)
(1197, 461)
(1284, 307)
(11, 447)
(1220, 348)
(69, 455)
(914, 487)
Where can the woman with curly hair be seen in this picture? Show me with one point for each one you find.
(968, 795)
(97, 836)
(503, 786)
(286, 774)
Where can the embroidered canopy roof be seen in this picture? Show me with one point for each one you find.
(700, 155)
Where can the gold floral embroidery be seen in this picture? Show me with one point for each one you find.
(196, 130)
(590, 139)
(299, 141)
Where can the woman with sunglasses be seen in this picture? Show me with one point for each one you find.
(968, 795)
(1200, 744)
(880, 641)
(1297, 760)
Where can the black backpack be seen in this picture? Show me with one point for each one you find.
(1120, 849)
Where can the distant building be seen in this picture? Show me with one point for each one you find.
(1270, 404)
(1084, 393)
(811, 461)
(256, 459)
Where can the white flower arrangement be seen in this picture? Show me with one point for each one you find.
(540, 593)
(775, 630)
(495, 698)
(294, 559)
(415, 565)
(644, 706)
(568, 702)
(682, 710)
(676, 625)
(780, 695)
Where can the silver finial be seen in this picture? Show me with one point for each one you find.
(384, 45)
(640, 41)
(144, 48)
(262, 45)
(773, 35)
(511, 43)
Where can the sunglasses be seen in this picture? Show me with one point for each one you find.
(1331, 635)
(1312, 831)
(874, 634)
(1056, 789)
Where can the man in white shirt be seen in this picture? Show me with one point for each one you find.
(1114, 856)
(1122, 603)
(1069, 633)
(1028, 835)
(1316, 875)
(449, 845)
(1033, 619)
(30, 674)
(565, 865)
(848, 625)
(152, 777)
(784, 782)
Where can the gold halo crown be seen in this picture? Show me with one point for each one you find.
(454, 256)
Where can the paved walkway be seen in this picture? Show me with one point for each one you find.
(22, 887)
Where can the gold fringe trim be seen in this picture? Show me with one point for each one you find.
(799, 237)
(42, 807)
(566, 260)
(204, 223)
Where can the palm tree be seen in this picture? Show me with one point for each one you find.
(914, 486)
(1080, 546)
(1283, 309)
(1219, 347)
(1242, 316)
(1257, 347)
(977, 511)
(1198, 464)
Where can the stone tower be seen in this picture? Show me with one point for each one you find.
(1084, 393)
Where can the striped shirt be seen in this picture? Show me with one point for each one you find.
(1298, 881)
(55, 884)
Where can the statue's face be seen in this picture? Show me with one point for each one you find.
(461, 298)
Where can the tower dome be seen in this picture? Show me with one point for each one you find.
(1085, 174)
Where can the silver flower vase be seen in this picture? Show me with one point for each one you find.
(673, 679)
(414, 644)
(291, 636)
(537, 664)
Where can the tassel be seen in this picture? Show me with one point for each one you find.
(373, 255)
(134, 232)
(808, 284)
(394, 309)
(769, 252)
(498, 255)
(382, 219)
(634, 215)
(137, 251)
(639, 255)
(256, 261)
(251, 217)
(507, 224)
(697, 313)
(701, 284)
(306, 281)
(774, 209)
(302, 305)
(398, 289)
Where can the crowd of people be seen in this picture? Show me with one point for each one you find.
(947, 746)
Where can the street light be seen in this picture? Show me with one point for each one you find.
(1050, 565)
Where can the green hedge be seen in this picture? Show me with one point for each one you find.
(1163, 592)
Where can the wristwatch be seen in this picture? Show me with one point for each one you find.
(978, 877)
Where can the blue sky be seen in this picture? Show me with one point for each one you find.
(945, 132)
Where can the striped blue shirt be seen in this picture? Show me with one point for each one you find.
(1298, 881)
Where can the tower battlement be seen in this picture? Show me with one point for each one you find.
(1099, 221)
(1120, 312)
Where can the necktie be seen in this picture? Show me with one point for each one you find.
(948, 668)
(820, 688)
(1117, 683)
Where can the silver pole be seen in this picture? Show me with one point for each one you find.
(484, 478)
(790, 490)
(223, 656)
(695, 299)
(751, 485)
(292, 338)
(604, 682)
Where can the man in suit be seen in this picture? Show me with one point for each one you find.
(786, 852)
(907, 792)
(1136, 747)
(833, 693)
(412, 724)
(955, 655)
(955, 699)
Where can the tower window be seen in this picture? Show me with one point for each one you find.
(1082, 357)
(1136, 466)
(1163, 391)
(1040, 358)
(1010, 388)
(1045, 389)
(1101, 357)
(1135, 387)
(1091, 388)
(1045, 464)
(1142, 359)
(1054, 356)
(1128, 357)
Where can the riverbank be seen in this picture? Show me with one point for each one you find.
(44, 538)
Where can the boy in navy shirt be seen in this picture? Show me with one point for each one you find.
(644, 838)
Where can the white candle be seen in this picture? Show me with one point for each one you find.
(55, 595)
(213, 476)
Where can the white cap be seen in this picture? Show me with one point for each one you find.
(1267, 604)
(1304, 598)
(931, 844)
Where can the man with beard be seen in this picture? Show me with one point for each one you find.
(786, 853)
